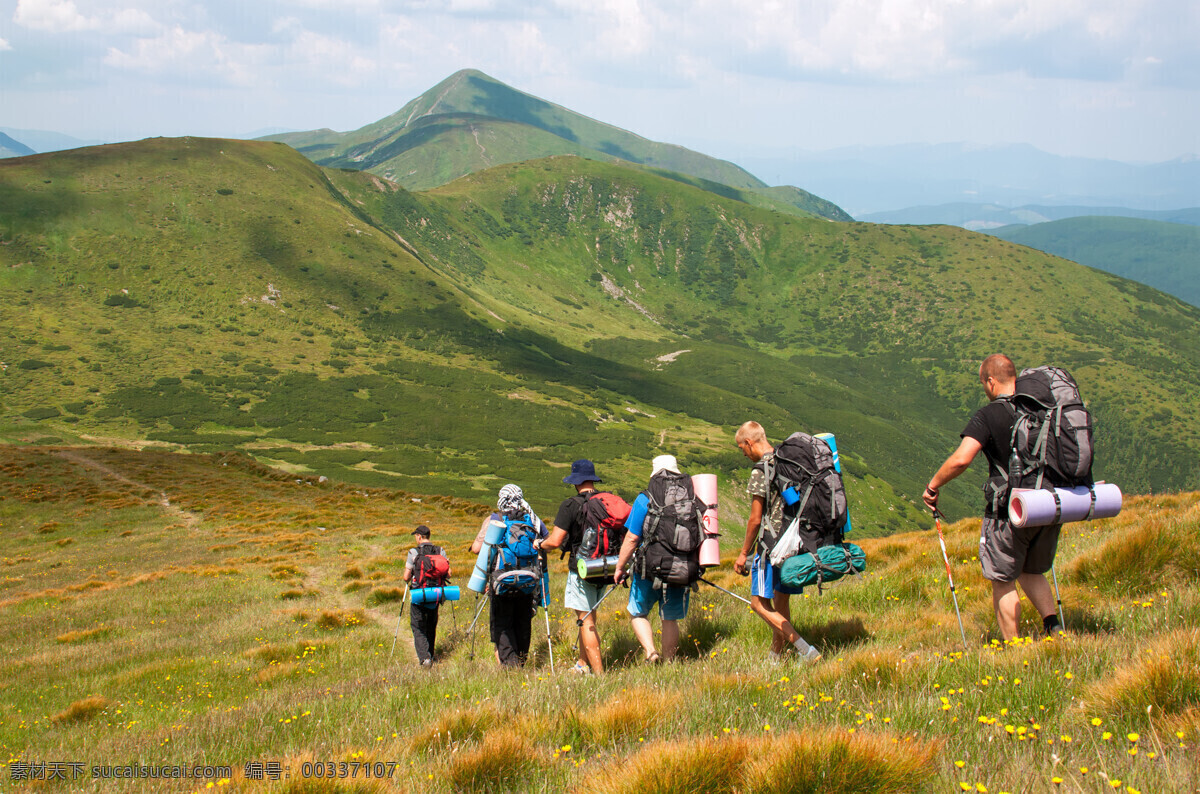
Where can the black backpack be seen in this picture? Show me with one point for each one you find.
(669, 553)
(1052, 440)
(803, 468)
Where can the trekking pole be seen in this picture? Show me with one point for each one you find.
(937, 522)
(471, 629)
(546, 612)
(399, 615)
(726, 592)
(1061, 619)
(607, 593)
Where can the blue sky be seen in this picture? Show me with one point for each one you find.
(735, 78)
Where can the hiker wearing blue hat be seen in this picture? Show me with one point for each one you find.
(585, 514)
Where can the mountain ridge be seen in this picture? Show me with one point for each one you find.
(471, 121)
(218, 295)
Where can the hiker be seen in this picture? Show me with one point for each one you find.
(1009, 556)
(426, 566)
(662, 541)
(769, 598)
(511, 612)
(577, 526)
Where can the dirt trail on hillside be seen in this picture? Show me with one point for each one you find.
(190, 520)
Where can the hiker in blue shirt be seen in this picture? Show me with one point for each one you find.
(646, 591)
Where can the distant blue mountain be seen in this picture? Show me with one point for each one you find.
(866, 180)
(984, 217)
(10, 147)
(46, 141)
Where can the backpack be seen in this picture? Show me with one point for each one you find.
(431, 568)
(515, 567)
(604, 517)
(814, 512)
(670, 550)
(1052, 444)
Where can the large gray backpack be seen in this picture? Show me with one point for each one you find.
(1052, 441)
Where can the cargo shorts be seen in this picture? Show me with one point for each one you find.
(1006, 552)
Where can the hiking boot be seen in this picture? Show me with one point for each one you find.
(581, 669)
(427, 663)
(810, 656)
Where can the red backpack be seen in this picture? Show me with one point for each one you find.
(431, 568)
(604, 525)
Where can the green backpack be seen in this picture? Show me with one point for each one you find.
(829, 564)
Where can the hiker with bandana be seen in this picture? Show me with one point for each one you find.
(511, 615)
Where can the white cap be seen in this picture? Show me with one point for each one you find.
(664, 463)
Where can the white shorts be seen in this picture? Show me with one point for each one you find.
(581, 595)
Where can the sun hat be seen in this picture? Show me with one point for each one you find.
(582, 471)
(664, 463)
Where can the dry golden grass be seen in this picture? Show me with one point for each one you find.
(629, 715)
(80, 636)
(500, 763)
(382, 595)
(813, 760)
(452, 728)
(837, 761)
(82, 710)
(1164, 677)
(683, 766)
(1159, 552)
(331, 619)
(870, 668)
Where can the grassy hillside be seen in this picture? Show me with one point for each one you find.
(470, 122)
(215, 295)
(1164, 255)
(184, 609)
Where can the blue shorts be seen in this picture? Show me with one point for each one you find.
(765, 581)
(672, 602)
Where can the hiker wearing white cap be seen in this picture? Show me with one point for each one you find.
(661, 555)
(769, 598)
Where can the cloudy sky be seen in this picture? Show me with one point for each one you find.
(1099, 78)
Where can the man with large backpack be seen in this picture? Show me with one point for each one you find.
(1008, 555)
(769, 598)
(515, 574)
(426, 566)
(589, 526)
(661, 554)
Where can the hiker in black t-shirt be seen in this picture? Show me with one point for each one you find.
(1009, 555)
(580, 595)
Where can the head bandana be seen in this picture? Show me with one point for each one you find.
(512, 501)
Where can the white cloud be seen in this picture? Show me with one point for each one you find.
(199, 56)
(63, 16)
(4, 45)
(52, 16)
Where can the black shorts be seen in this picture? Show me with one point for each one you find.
(1006, 552)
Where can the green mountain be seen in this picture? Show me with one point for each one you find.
(1164, 255)
(470, 122)
(213, 295)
